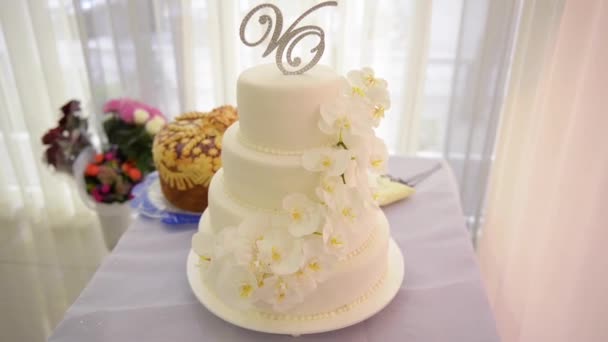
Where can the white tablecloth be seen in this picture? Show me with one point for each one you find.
(140, 292)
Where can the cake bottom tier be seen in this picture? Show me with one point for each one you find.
(351, 282)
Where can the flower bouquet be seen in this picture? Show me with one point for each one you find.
(106, 180)
(110, 177)
(66, 140)
(131, 126)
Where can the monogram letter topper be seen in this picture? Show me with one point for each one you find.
(289, 39)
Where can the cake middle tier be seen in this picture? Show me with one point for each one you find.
(226, 210)
(262, 179)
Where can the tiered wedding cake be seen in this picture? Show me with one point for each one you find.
(293, 232)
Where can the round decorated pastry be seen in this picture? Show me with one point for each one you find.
(187, 154)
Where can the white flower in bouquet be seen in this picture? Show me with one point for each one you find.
(236, 284)
(280, 251)
(332, 161)
(303, 215)
(140, 116)
(279, 291)
(154, 125)
(345, 117)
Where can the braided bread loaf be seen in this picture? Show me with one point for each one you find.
(187, 153)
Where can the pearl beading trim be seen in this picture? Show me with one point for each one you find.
(365, 245)
(244, 204)
(324, 315)
(269, 150)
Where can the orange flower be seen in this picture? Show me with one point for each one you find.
(134, 174)
(92, 170)
(99, 158)
(126, 166)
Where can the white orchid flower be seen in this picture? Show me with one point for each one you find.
(319, 264)
(365, 85)
(302, 282)
(335, 238)
(344, 117)
(326, 191)
(279, 291)
(363, 80)
(205, 246)
(236, 285)
(380, 101)
(281, 252)
(249, 232)
(348, 208)
(378, 156)
(331, 161)
(367, 153)
(304, 216)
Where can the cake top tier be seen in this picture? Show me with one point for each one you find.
(281, 113)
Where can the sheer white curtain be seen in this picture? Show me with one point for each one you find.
(445, 61)
(41, 67)
(543, 247)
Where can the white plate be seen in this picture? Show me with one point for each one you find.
(249, 320)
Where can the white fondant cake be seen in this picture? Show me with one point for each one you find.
(293, 228)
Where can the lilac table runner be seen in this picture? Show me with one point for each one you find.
(140, 292)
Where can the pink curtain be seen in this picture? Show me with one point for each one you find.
(544, 248)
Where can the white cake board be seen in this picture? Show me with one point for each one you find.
(374, 303)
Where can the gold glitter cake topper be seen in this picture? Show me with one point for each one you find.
(289, 39)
